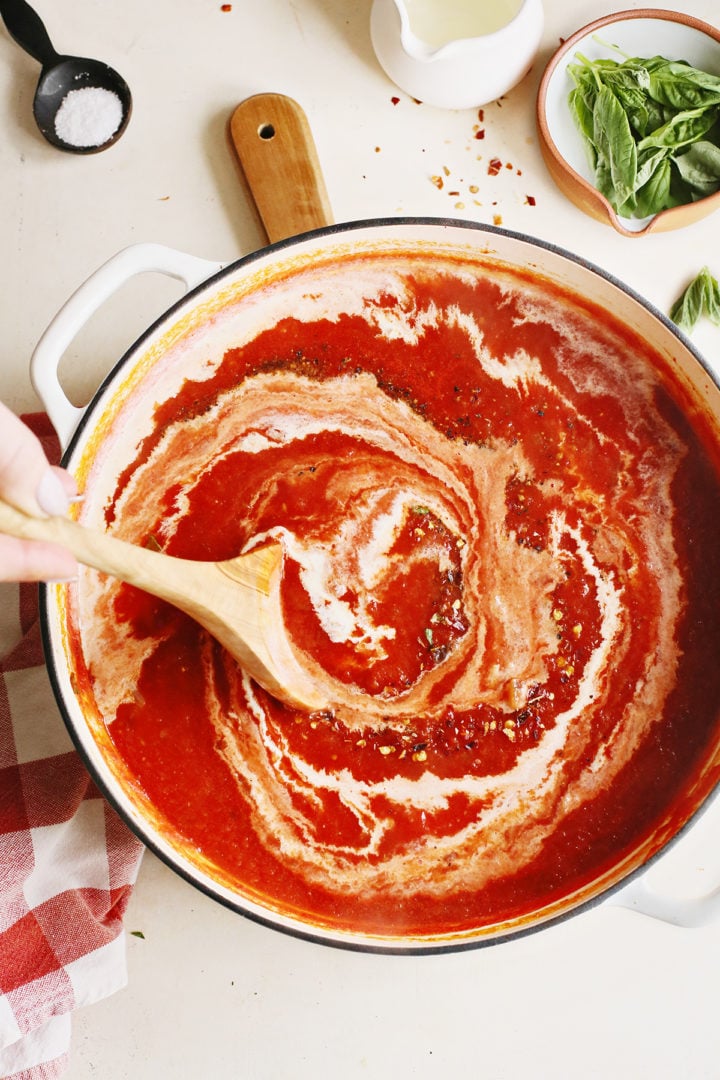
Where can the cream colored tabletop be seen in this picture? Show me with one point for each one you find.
(608, 993)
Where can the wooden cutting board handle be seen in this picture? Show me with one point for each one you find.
(276, 150)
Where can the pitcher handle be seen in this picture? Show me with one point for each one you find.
(72, 316)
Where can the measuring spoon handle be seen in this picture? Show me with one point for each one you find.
(27, 28)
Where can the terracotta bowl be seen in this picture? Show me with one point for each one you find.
(643, 32)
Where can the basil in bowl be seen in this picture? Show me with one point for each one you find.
(628, 114)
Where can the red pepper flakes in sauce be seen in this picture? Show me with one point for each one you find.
(494, 166)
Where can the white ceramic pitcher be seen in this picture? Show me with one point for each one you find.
(456, 54)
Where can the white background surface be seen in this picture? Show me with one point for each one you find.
(608, 993)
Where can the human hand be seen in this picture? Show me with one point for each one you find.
(28, 482)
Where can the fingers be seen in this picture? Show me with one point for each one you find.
(30, 483)
(32, 560)
(67, 481)
(26, 479)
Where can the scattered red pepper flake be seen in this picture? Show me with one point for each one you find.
(453, 192)
(530, 200)
(494, 166)
(508, 165)
(377, 149)
(395, 100)
(481, 115)
(226, 7)
(480, 134)
(438, 182)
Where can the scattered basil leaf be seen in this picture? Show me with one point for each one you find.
(701, 297)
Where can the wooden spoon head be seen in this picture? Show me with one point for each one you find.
(242, 609)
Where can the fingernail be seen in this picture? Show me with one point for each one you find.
(51, 496)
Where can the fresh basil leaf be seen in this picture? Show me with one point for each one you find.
(632, 80)
(635, 102)
(583, 116)
(654, 141)
(684, 87)
(699, 166)
(649, 64)
(684, 128)
(701, 297)
(649, 182)
(615, 145)
(655, 194)
(648, 161)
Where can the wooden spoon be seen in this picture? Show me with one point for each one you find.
(237, 601)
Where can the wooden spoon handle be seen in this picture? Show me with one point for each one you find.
(275, 147)
(237, 601)
(128, 562)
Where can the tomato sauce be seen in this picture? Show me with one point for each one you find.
(500, 538)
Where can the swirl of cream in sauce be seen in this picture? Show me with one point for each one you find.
(511, 632)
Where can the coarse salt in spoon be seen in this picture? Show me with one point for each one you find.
(80, 105)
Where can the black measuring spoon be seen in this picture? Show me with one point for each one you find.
(92, 119)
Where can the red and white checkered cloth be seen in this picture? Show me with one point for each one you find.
(67, 862)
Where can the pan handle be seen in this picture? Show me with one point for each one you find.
(70, 319)
(690, 913)
(682, 890)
